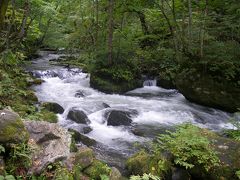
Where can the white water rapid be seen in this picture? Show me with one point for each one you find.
(157, 109)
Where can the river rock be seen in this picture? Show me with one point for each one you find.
(50, 143)
(78, 116)
(79, 94)
(53, 107)
(107, 85)
(205, 90)
(78, 137)
(86, 129)
(12, 129)
(228, 151)
(118, 118)
(84, 157)
(180, 174)
(115, 174)
(105, 105)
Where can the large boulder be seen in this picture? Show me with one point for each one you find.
(118, 118)
(206, 91)
(78, 116)
(50, 143)
(109, 86)
(53, 107)
(228, 151)
(12, 129)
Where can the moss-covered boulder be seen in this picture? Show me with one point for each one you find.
(97, 169)
(228, 151)
(110, 86)
(205, 90)
(84, 157)
(142, 162)
(12, 129)
(53, 107)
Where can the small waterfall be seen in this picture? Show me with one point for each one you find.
(150, 82)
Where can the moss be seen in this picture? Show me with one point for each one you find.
(84, 157)
(97, 169)
(43, 115)
(14, 132)
(110, 86)
(142, 163)
(73, 146)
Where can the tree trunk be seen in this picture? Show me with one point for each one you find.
(97, 22)
(143, 22)
(202, 30)
(3, 10)
(110, 31)
(190, 22)
(24, 21)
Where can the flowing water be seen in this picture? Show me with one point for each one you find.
(157, 109)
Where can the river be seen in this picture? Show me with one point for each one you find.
(157, 109)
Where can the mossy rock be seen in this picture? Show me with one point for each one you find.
(12, 129)
(142, 162)
(97, 169)
(110, 86)
(84, 157)
(78, 137)
(228, 151)
(53, 107)
(205, 90)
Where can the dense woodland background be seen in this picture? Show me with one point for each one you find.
(196, 40)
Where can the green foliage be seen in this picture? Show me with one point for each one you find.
(189, 147)
(234, 133)
(19, 157)
(142, 162)
(98, 170)
(238, 174)
(7, 177)
(145, 177)
(2, 149)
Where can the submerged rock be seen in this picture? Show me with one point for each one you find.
(79, 94)
(12, 129)
(78, 116)
(105, 105)
(118, 118)
(50, 143)
(53, 107)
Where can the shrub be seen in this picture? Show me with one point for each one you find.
(189, 147)
(145, 177)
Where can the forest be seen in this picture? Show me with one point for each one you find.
(120, 89)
